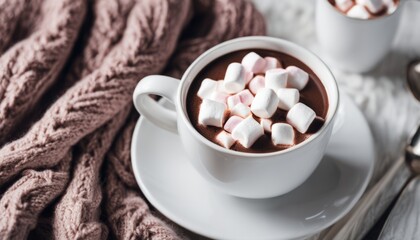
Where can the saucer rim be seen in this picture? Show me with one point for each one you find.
(178, 220)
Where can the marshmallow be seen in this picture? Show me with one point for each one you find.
(416, 149)
(297, 77)
(271, 63)
(231, 123)
(391, 8)
(282, 134)
(256, 84)
(374, 6)
(266, 124)
(221, 86)
(265, 103)
(233, 100)
(358, 11)
(288, 97)
(344, 5)
(225, 139)
(246, 97)
(234, 78)
(247, 132)
(241, 110)
(417, 68)
(207, 87)
(248, 76)
(212, 113)
(390, 5)
(300, 116)
(276, 78)
(219, 97)
(253, 62)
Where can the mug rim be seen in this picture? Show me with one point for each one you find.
(184, 116)
(360, 19)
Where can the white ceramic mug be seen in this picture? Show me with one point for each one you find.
(352, 44)
(249, 175)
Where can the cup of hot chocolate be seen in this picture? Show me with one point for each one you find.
(254, 114)
(357, 34)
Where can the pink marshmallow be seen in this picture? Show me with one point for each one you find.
(257, 83)
(248, 76)
(253, 62)
(233, 100)
(344, 5)
(246, 97)
(232, 122)
(271, 63)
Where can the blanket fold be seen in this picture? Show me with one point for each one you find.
(76, 66)
(30, 66)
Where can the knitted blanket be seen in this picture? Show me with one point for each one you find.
(67, 72)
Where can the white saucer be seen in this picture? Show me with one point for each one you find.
(172, 186)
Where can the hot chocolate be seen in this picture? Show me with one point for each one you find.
(365, 9)
(257, 101)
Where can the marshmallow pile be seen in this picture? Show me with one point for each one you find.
(364, 8)
(255, 89)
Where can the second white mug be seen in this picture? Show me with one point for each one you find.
(352, 44)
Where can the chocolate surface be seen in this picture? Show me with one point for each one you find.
(313, 95)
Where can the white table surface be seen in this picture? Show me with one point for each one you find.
(392, 112)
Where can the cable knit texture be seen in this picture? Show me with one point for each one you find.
(67, 73)
(29, 67)
(24, 200)
(77, 213)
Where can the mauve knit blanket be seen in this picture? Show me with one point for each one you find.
(68, 69)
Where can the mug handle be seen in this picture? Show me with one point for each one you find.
(157, 114)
